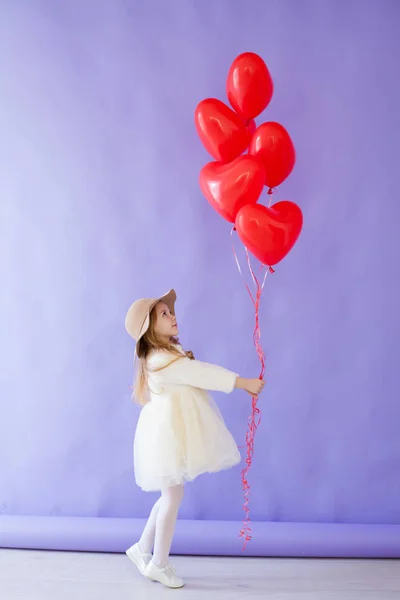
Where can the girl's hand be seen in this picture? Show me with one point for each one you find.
(253, 387)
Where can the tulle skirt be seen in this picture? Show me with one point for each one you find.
(180, 436)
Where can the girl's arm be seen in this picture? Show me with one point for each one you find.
(167, 368)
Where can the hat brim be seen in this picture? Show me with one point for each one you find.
(169, 299)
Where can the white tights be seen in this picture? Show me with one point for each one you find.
(160, 526)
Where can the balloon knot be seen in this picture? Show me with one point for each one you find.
(270, 191)
(271, 270)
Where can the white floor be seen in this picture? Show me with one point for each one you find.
(43, 575)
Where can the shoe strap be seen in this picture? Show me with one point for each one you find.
(168, 568)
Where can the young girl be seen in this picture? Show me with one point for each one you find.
(180, 432)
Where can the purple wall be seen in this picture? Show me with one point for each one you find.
(100, 203)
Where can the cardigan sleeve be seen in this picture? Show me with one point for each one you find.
(167, 368)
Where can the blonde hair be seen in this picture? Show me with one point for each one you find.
(148, 343)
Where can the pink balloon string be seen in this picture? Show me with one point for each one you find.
(255, 417)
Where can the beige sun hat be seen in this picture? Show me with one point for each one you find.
(137, 318)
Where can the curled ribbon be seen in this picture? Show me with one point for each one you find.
(255, 417)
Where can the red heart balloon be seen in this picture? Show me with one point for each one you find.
(271, 143)
(229, 187)
(223, 133)
(269, 233)
(249, 85)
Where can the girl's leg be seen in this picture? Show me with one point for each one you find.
(146, 542)
(170, 501)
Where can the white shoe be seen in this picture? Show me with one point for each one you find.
(167, 575)
(138, 559)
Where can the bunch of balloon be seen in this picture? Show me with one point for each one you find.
(247, 159)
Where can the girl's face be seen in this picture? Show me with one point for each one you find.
(165, 325)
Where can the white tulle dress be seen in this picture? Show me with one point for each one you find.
(180, 432)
